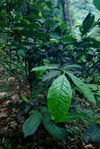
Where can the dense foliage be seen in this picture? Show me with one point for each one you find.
(38, 44)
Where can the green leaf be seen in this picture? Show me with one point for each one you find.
(93, 87)
(92, 134)
(67, 38)
(98, 121)
(55, 130)
(87, 23)
(50, 74)
(73, 116)
(36, 92)
(24, 98)
(97, 4)
(72, 66)
(44, 110)
(63, 26)
(59, 98)
(39, 74)
(54, 36)
(83, 88)
(31, 124)
(21, 52)
(33, 16)
(43, 68)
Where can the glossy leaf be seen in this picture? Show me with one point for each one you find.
(72, 66)
(59, 98)
(87, 23)
(83, 88)
(55, 130)
(43, 68)
(31, 124)
(97, 4)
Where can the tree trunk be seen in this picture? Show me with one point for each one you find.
(8, 7)
(68, 14)
(63, 10)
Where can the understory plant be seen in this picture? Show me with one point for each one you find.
(57, 112)
(54, 116)
(29, 38)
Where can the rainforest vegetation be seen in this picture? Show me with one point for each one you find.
(49, 74)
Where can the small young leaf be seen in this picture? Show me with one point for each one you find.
(43, 68)
(59, 98)
(97, 4)
(56, 131)
(24, 98)
(83, 88)
(31, 124)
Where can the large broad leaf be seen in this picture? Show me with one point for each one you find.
(59, 98)
(55, 130)
(31, 124)
(97, 4)
(87, 23)
(73, 116)
(44, 68)
(92, 134)
(83, 88)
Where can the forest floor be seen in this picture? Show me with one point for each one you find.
(11, 136)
